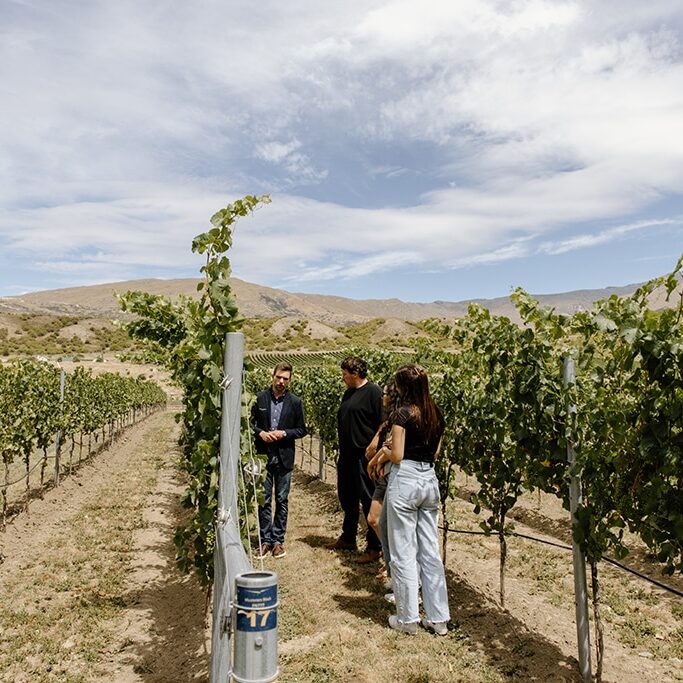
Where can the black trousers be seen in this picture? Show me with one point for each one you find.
(355, 489)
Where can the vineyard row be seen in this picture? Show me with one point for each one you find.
(41, 405)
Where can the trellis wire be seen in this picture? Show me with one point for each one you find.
(309, 452)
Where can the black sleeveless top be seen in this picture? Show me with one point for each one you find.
(417, 447)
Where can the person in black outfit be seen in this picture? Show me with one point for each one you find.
(277, 419)
(358, 418)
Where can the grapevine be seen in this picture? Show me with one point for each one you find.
(189, 337)
(33, 413)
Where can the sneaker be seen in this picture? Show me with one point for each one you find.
(438, 627)
(370, 555)
(279, 550)
(264, 551)
(410, 629)
(341, 544)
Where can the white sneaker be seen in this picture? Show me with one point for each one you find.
(438, 627)
(410, 629)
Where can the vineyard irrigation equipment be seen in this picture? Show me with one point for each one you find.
(562, 546)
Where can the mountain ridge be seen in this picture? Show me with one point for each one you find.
(259, 301)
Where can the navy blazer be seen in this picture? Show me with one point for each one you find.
(292, 422)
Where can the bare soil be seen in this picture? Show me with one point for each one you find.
(88, 581)
(115, 518)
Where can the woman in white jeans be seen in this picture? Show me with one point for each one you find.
(412, 503)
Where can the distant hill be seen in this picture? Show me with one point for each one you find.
(257, 301)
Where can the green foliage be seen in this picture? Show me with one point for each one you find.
(502, 392)
(258, 335)
(361, 333)
(297, 337)
(40, 325)
(298, 359)
(630, 423)
(21, 402)
(321, 389)
(189, 337)
(504, 409)
(510, 417)
(382, 364)
(317, 380)
(33, 413)
(501, 389)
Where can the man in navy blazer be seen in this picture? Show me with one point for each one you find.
(277, 419)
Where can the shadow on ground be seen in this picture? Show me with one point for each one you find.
(495, 635)
(175, 604)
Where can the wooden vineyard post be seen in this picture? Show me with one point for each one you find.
(580, 589)
(58, 437)
(321, 460)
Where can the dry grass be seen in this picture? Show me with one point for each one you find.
(82, 603)
(339, 609)
(60, 607)
(333, 618)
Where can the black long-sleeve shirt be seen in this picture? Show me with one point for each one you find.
(359, 416)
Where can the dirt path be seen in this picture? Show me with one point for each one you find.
(88, 584)
(90, 592)
(163, 635)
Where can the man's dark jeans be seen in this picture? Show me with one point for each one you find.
(278, 480)
(354, 486)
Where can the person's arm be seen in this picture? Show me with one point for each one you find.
(298, 431)
(371, 450)
(395, 452)
(254, 418)
(374, 466)
(260, 433)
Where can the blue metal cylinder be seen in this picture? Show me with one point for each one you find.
(255, 635)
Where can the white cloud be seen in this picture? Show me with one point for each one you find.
(352, 266)
(602, 237)
(125, 129)
(275, 152)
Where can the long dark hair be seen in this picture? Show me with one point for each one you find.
(412, 384)
(394, 397)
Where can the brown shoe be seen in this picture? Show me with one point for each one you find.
(279, 550)
(341, 544)
(264, 551)
(370, 555)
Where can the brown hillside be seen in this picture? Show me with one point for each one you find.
(257, 301)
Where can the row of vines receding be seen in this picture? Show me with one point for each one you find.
(34, 409)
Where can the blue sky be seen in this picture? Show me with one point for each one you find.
(441, 150)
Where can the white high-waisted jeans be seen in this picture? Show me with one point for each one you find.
(412, 502)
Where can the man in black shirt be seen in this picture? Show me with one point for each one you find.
(358, 419)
